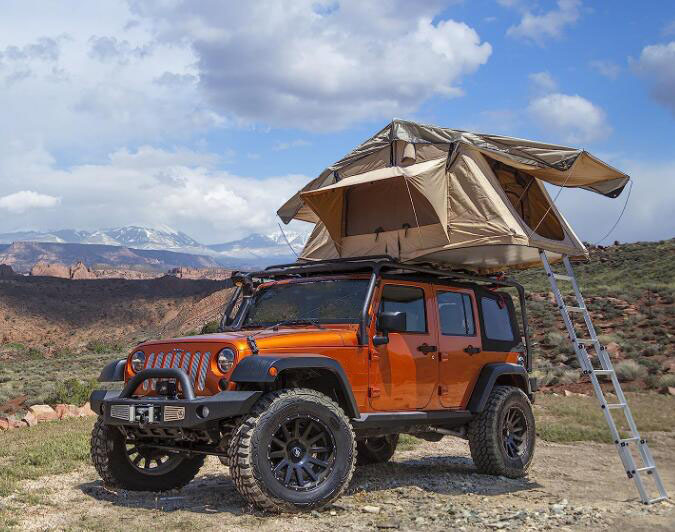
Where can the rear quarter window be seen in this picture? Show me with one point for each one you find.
(496, 320)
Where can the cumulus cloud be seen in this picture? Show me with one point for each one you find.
(320, 65)
(549, 25)
(656, 65)
(609, 69)
(150, 185)
(24, 200)
(573, 118)
(297, 143)
(543, 82)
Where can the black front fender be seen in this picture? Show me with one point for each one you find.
(256, 369)
(113, 371)
(486, 381)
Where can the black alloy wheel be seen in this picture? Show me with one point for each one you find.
(301, 453)
(514, 428)
(150, 460)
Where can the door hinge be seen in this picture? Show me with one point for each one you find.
(373, 355)
(442, 390)
(373, 391)
(444, 357)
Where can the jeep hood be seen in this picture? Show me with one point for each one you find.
(266, 339)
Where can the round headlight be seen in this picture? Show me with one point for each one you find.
(225, 359)
(138, 361)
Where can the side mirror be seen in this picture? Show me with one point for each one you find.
(389, 322)
(392, 321)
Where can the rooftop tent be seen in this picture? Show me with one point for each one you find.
(428, 194)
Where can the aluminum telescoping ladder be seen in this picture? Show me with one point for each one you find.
(606, 368)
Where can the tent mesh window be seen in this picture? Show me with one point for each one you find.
(361, 218)
(524, 193)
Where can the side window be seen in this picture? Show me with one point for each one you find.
(408, 299)
(497, 321)
(456, 314)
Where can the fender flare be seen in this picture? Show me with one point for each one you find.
(486, 381)
(113, 371)
(256, 369)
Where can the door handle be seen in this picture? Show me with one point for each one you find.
(425, 348)
(472, 350)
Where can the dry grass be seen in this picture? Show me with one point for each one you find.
(568, 419)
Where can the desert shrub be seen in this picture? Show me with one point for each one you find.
(101, 346)
(211, 327)
(665, 381)
(73, 391)
(32, 352)
(629, 370)
(552, 338)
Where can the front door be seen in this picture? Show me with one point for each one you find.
(403, 373)
(459, 345)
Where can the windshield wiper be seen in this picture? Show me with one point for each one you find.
(305, 321)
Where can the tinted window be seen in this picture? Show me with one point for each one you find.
(456, 314)
(337, 301)
(406, 299)
(497, 321)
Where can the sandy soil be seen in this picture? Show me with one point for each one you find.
(434, 486)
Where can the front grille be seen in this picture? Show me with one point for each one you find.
(174, 413)
(121, 412)
(196, 366)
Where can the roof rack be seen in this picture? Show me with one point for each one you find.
(372, 262)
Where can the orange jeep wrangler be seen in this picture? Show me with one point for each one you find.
(319, 367)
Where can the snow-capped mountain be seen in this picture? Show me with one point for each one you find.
(259, 245)
(253, 251)
(132, 236)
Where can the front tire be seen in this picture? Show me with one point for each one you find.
(376, 450)
(294, 452)
(130, 466)
(502, 437)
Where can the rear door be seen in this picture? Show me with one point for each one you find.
(476, 327)
(459, 345)
(403, 374)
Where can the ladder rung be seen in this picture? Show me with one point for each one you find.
(648, 468)
(632, 438)
(561, 277)
(576, 309)
(586, 341)
(617, 405)
(603, 371)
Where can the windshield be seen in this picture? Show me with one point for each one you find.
(330, 301)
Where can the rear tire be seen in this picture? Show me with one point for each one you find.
(376, 450)
(502, 437)
(294, 452)
(114, 461)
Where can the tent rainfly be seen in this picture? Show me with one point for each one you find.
(428, 194)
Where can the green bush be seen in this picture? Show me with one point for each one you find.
(73, 391)
(629, 370)
(665, 380)
(100, 346)
(211, 327)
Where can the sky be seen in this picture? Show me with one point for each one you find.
(206, 116)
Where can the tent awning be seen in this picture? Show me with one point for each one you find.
(559, 165)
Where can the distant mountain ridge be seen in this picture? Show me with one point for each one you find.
(253, 251)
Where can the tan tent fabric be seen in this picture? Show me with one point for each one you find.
(428, 178)
(421, 193)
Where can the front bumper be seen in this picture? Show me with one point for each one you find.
(121, 408)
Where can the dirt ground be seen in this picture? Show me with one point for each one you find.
(433, 486)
